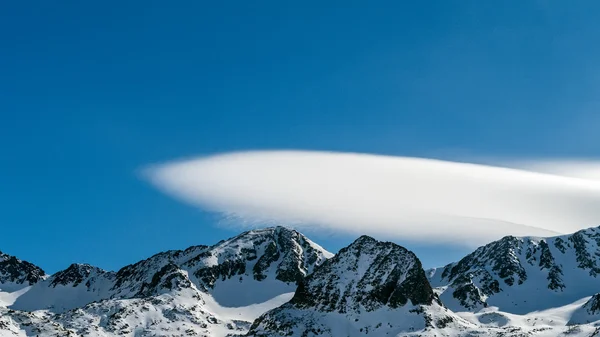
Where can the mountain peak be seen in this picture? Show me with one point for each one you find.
(18, 273)
(75, 274)
(367, 276)
(523, 274)
(365, 239)
(274, 252)
(273, 230)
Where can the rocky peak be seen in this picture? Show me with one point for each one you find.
(132, 279)
(255, 267)
(75, 274)
(277, 252)
(366, 277)
(67, 289)
(299, 255)
(18, 272)
(502, 258)
(493, 272)
(368, 274)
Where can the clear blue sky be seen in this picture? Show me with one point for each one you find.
(92, 91)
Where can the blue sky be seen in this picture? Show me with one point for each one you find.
(91, 92)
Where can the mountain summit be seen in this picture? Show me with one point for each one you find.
(369, 287)
(207, 285)
(523, 274)
(16, 274)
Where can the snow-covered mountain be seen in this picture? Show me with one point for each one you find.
(275, 281)
(523, 274)
(205, 290)
(16, 278)
(369, 287)
(73, 287)
(16, 274)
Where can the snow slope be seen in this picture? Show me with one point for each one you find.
(589, 312)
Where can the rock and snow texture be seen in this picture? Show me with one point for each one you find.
(16, 274)
(275, 281)
(206, 291)
(587, 313)
(250, 268)
(523, 274)
(369, 287)
(71, 288)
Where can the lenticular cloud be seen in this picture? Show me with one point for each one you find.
(396, 197)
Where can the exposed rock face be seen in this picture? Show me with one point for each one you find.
(593, 305)
(369, 286)
(16, 273)
(523, 274)
(77, 274)
(276, 256)
(277, 253)
(136, 279)
(367, 273)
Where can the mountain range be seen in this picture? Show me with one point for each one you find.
(277, 282)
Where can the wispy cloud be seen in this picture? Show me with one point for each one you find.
(396, 197)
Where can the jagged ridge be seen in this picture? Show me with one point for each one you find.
(368, 287)
(168, 290)
(522, 274)
(16, 273)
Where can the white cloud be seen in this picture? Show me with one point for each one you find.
(389, 197)
(582, 168)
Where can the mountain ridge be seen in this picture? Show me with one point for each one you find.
(564, 268)
(266, 282)
(16, 273)
(174, 289)
(339, 296)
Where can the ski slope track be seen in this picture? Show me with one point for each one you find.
(277, 282)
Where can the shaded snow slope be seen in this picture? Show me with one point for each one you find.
(588, 312)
